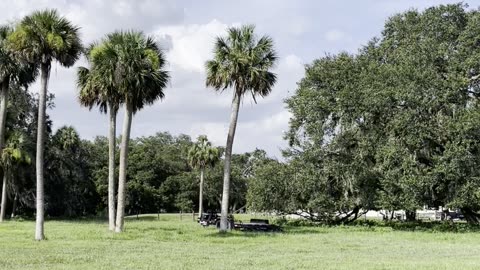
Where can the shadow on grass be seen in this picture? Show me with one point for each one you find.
(434, 226)
(369, 225)
(84, 220)
(141, 218)
(303, 230)
(241, 234)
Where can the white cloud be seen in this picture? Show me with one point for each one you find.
(291, 62)
(335, 35)
(298, 26)
(191, 45)
(99, 17)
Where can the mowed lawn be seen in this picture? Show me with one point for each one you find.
(171, 243)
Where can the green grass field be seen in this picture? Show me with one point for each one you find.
(171, 243)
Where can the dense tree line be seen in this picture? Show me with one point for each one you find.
(394, 126)
(160, 178)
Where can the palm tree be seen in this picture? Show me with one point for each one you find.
(138, 76)
(8, 67)
(200, 156)
(11, 156)
(12, 71)
(43, 37)
(242, 62)
(97, 88)
(67, 137)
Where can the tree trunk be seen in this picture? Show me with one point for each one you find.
(346, 219)
(410, 215)
(14, 207)
(127, 123)
(3, 116)
(4, 197)
(228, 160)
(471, 216)
(200, 199)
(3, 110)
(111, 168)
(42, 106)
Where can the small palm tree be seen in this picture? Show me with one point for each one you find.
(40, 38)
(97, 88)
(140, 78)
(242, 62)
(200, 156)
(67, 137)
(12, 155)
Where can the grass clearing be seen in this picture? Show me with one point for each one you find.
(171, 243)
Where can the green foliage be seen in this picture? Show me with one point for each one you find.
(45, 36)
(202, 154)
(97, 84)
(141, 78)
(12, 70)
(394, 126)
(243, 61)
(68, 166)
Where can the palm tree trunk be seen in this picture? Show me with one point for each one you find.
(228, 160)
(3, 117)
(127, 123)
(111, 168)
(14, 207)
(200, 197)
(4, 197)
(40, 217)
(5, 85)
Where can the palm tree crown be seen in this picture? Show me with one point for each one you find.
(119, 63)
(8, 65)
(140, 74)
(45, 36)
(97, 84)
(242, 61)
(202, 154)
(14, 151)
(12, 70)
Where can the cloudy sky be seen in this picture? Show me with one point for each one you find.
(302, 31)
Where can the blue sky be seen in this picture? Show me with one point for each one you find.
(302, 31)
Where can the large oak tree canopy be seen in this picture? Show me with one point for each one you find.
(394, 126)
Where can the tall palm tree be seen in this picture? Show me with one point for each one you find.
(200, 156)
(97, 88)
(12, 71)
(243, 62)
(8, 67)
(12, 155)
(139, 76)
(43, 37)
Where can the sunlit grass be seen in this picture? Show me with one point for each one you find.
(171, 243)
